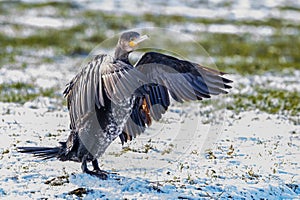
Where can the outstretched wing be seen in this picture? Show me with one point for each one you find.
(183, 80)
(103, 77)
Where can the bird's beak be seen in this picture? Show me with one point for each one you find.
(141, 39)
(138, 40)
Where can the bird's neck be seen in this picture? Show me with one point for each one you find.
(121, 54)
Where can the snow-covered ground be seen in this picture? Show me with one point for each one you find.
(247, 155)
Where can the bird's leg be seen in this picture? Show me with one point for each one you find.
(96, 165)
(96, 172)
(97, 168)
(84, 167)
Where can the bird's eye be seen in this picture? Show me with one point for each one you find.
(131, 39)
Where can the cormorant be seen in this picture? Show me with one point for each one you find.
(111, 98)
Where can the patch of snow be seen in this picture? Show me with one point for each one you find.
(47, 22)
(253, 155)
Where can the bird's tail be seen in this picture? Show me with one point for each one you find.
(44, 152)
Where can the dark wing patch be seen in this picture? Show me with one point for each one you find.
(183, 80)
(146, 107)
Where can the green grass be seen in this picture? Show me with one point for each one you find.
(274, 54)
(63, 40)
(268, 100)
(272, 101)
(22, 92)
(289, 8)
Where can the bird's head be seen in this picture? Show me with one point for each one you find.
(129, 41)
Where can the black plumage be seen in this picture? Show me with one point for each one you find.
(111, 98)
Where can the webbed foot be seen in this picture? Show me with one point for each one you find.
(98, 173)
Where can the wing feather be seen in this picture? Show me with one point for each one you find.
(169, 76)
(98, 84)
(102, 77)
